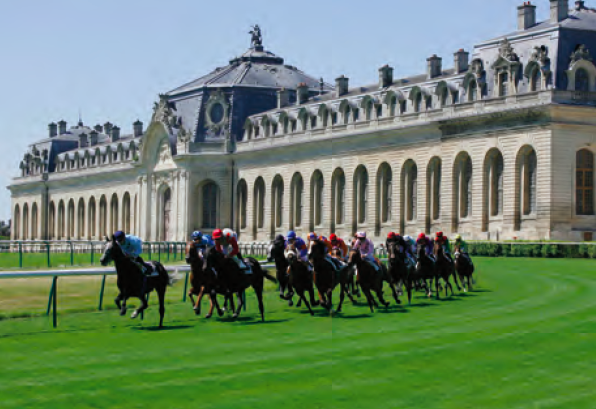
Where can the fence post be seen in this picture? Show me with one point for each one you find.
(71, 253)
(244, 300)
(103, 285)
(20, 254)
(159, 252)
(149, 244)
(168, 249)
(48, 253)
(185, 288)
(93, 255)
(51, 297)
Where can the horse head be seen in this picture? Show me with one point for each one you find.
(107, 258)
(193, 254)
(290, 254)
(354, 258)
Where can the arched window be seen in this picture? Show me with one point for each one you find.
(17, 223)
(25, 234)
(417, 102)
(91, 219)
(503, 84)
(135, 216)
(368, 110)
(52, 222)
(444, 97)
(434, 189)
(584, 183)
(582, 80)
(526, 182)
(392, 105)
(338, 186)
(34, 222)
(360, 194)
(473, 91)
(385, 192)
(492, 187)
(126, 212)
(259, 203)
(114, 224)
(209, 194)
(316, 198)
(536, 80)
(412, 198)
(71, 220)
(81, 219)
(166, 214)
(242, 201)
(297, 190)
(277, 200)
(463, 186)
(346, 114)
(103, 216)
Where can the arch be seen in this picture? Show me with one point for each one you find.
(442, 93)
(360, 196)
(25, 234)
(462, 188)
(259, 204)
(92, 219)
(296, 194)
(135, 216)
(303, 118)
(391, 99)
(103, 216)
(61, 220)
(34, 221)
(17, 223)
(384, 193)
(433, 191)
(317, 184)
(70, 225)
(81, 219)
(52, 221)
(584, 183)
(526, 175)
(533, 72)
(367, 104)
(492, 186)
(581, 76)
(323, 114)
(241, 205)
(126, 213)
(338, 200)
(277, 200)
(166, 213)
(266, 126)
(284, 120)
(345, 108)
(409, 193)
(416, 97)
(114, 222)
(209, 204)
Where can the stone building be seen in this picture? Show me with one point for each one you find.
(500, 145)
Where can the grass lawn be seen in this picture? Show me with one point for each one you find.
(524, 339)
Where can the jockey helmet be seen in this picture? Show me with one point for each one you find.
(280, 237)
(196, 235)
(457, 237)
(120, 236)
(333, 237)
(407, 238)
(361, 235)
(291, 235)
(228, 233)
(217, 234)
(391, 235)
(313, 236)
(421, 236)
(439, 234)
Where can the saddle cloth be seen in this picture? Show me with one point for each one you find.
(149, 270)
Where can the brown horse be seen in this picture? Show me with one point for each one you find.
(300, 279)
(400, 269)
(425, 270)
(369, 279)
(132, 282)
(202, 282)
(327, 276)
(464, 268)
(276, 254)
(232, 280)
(444, 268)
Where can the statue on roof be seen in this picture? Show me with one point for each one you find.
(257, 37)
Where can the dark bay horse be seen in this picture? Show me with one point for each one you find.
(132, 282)
(352, 288)
(425, 270)
(464, 268)
(369, 279)
(326, 277)
(300, 279)
(276, 254)
(400, 269)
(202, 282)
(232, 280)
(444, 268)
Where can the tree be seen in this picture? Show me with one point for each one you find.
(5, 228)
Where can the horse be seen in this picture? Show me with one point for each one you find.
(400, 269)
(202, 282)
(425, 270)
(444, 268)
(232, 280)
(326, 277)
(300, 279)
(464, 268)
(276, 253)
(352, 288)
(132, 282)
(369, 279)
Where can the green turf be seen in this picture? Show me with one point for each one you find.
(524, 339)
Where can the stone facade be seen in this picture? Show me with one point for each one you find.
(500, 146)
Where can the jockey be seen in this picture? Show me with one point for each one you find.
(299, 245)
(410, 248)
(312, 237)
(223, 240)
(366, 248)
(337, 242)
(444, 242)
(132, 247)
(428, 245)
(391, 238)
(201, 241)
(461, 246)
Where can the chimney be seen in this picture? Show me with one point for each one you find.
(580, 5)
(93, 138)
(115, 134)
(283, 98)
(341, 85)
(53, 128)
(62, 127)
(558, 10)
(434, 66)
(461, 59)
(107, 128)
(526, 16)
(302, 93)
(83, 140)
(137, 128)
(385, 76)
(98, 128)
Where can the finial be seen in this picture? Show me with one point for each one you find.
(80, 118)
(321, 86)
(257, 37)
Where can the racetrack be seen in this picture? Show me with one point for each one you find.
(524, 339)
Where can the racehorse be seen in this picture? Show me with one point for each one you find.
(300, 279)
(232, 280)
(464, 268)
(401, 270)
(132, 282)
(425, 270)
(202, 282)
(352, 287)
(444, 268)
(327, 276)
(276, 253)
(369, 279)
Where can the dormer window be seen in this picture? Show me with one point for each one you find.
(379, 111)
(503, 84)
(429, 103)
(536, 80)
(418, 103)
(444, 97)
(403, 106)
(472, 91)
(582, 80)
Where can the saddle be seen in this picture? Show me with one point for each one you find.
(148, 269)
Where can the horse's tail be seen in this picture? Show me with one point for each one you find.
(269, 276)
(173, 277)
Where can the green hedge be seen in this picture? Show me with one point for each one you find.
(544, 250)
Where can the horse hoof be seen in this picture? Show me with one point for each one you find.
(465, 291)
(290, 303)
(134, 315)
(208, 316)
(234, 316)
(197, 311)
(122, 313)
(220, 313)
(398, 302)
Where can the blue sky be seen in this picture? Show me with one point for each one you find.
(111, 58)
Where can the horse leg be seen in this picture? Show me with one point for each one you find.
(330, 299)
(161, 293)
(394, 291)
(369, 298)
(121, 303)
(303, 298)
(437, 287)
(342, 296)
(259, 293)
(290, 295)
(232, 305)
(143, 307)
(197, 305)
(409, 285)
(454, 273)
(237, 312)
(313, 302)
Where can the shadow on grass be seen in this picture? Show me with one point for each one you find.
(165, 328)
(266, 322)
(393, 309)
(353, 317)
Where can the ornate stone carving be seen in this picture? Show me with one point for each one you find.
(217, 114)
(256, 37)
(506, 51)
(540, 55)
(476, 68)
(164, 112)
(493, 121)
(582, 53)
